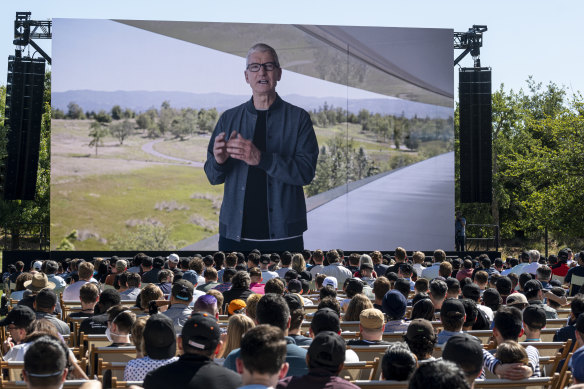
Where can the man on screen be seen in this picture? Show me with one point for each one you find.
(264, 151)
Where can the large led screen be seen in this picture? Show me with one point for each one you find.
(135, 103)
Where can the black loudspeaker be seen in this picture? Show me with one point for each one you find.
(476, 166)
(24, 109)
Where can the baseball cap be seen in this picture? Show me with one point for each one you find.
(534, 317)
(37, 265)
(472, 291)
(295, 286)
(39, 281)
(394, 305)
(294, 301)
(325, 319)
(174, 258)
(182, 290)
(201, 332)
(532, 286)
(516, 298)
(371, 318)
(464, 350)
(46, 298)
(420, 328)
(327, 349)
(159, 337)
(330, 281)
(235, 306)
(452, 308)
(21, 316)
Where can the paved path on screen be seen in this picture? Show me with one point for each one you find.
(412, 208)
(149, 148)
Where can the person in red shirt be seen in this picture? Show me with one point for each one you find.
(561, 267)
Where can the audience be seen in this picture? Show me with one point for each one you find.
(398, 363)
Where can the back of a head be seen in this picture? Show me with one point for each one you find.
(45, 300)
(508, 322)
(206, 303)
(45, 362)
(263, 349)
(398, 363)
(89, 293)
(108, 298)
(273, 310)
(438, 289)
(467, 352)
(423, 309)
(511, 352)
(122, 317)
(504, 286)
(241, 280)
(85, 271)
(438, 375)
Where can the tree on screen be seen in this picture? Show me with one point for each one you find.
(97, 131)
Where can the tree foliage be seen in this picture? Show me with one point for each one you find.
(97, 131)
(538, 144)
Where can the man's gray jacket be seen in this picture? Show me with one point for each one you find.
(289, 162)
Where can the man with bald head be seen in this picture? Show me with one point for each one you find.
(264, 151)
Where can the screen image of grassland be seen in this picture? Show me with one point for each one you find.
(134, 180)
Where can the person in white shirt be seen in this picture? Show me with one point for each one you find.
(418, 258)
(266, 273)
(317, 258)
(335, 268)
(71, 293)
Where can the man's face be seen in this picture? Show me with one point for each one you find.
(262, 82)
(171, 265)
(17, 334)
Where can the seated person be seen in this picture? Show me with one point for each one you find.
(180, 298)
(371, 327)
(88, 295)
(132, 286)
(97, 324)
(398, 363)
(394, 306)
(438, 375)
(165, 278)
(45, 364)
(511, 352)
(421, 339)
(325, 360)
(467, 352)
(534, 319)
(119, 325)
(18, 324)
(44, 306)
(159, 345)
(262, 357)
(200, 342)
(452, 316)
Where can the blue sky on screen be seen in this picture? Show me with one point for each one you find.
(127, 58)
(537, 37)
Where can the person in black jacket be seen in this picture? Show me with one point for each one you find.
(239, 289)
(200, 342)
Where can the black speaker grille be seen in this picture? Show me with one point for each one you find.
(475, 136)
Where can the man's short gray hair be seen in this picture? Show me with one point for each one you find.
(534, 255)
(262, 47)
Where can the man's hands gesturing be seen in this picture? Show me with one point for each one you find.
(236, 147)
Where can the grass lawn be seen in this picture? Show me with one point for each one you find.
(104, 205)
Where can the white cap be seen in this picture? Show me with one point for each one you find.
(332, 281)
(173, 258)
(37, 265)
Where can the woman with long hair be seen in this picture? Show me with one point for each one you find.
(358, 303)
(238, 325)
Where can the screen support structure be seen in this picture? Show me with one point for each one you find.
(471, 42)
(25, 30)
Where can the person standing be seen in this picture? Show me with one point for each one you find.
(460, 230)
(264, 151)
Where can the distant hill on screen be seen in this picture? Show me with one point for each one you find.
(140, 101)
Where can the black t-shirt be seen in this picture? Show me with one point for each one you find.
(255, 206)
(192, 371)
(362, 342)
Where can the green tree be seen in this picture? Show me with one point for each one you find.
(144, 121)
(116, 112)
(103, 117)
(74, 111)
(121, 130)
(97, 131)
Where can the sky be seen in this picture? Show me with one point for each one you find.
(536, 38)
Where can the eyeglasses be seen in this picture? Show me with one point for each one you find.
(255, 67)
